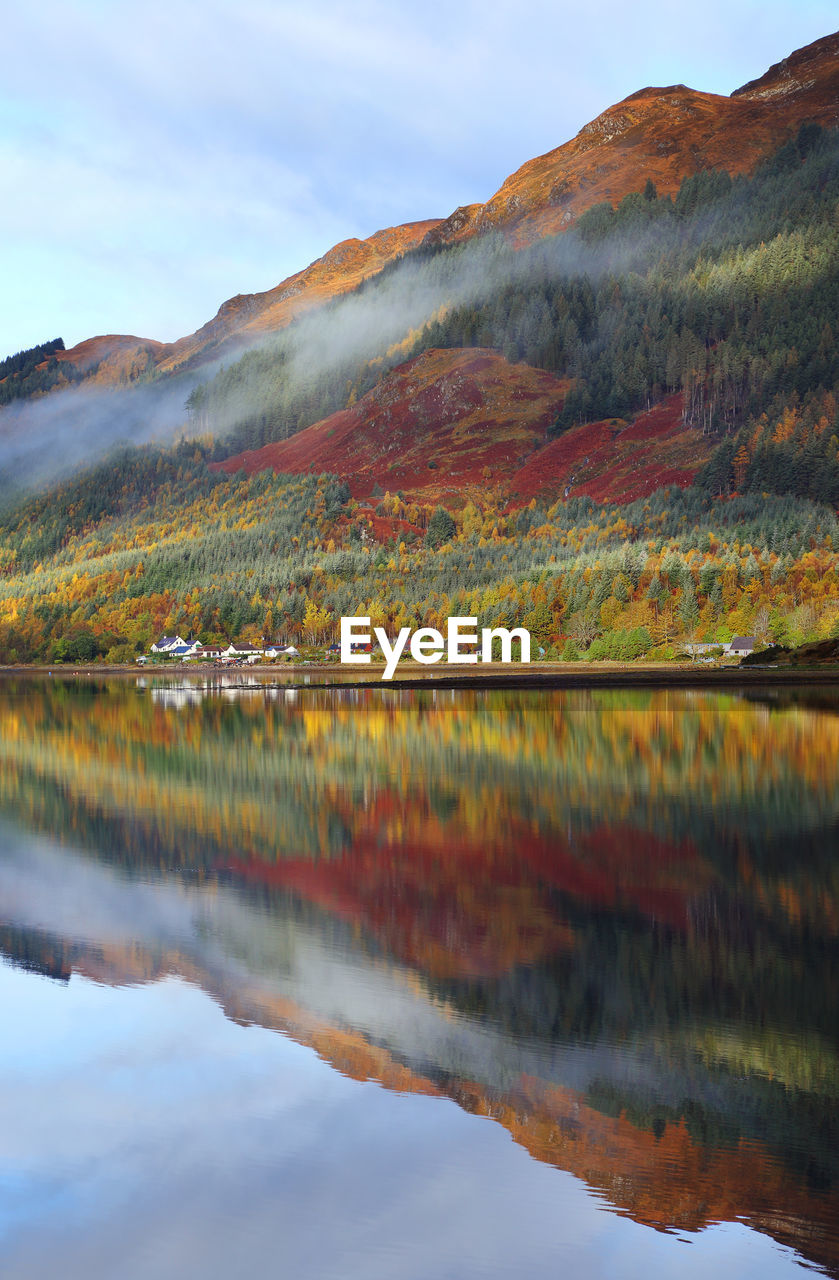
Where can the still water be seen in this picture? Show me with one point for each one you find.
(393, 985)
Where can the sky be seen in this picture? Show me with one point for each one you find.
(158, 159)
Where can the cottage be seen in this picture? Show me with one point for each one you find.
(187, 652)
(241, 653)
(741, 646)
(167, 643)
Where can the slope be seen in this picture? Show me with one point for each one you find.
(665, 134)
(463, 422)
(442, 423)
(243, 319)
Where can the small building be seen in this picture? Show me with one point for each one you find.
(167, 643)
(741, 646)
(240, 652)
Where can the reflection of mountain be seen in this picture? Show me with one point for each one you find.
(693, 1159)
(607, 921)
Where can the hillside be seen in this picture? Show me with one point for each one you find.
(242, 320)
(438, 426)
(624, 437)
(449, 425)
(664, 134)
(689, 339)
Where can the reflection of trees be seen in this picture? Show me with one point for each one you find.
(671, 791)
(649, 875)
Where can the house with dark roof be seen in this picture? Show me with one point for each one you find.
(167, 643)
(741, 646)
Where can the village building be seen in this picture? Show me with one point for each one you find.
(741, 646)
(239, 652)
(167, 643)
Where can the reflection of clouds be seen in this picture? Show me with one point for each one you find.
(249, 955)
(160, 1140)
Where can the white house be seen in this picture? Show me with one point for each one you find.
(167, 643)
(741, 646)
(243, 652)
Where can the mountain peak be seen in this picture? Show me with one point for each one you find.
(664, 133)
(800, 71)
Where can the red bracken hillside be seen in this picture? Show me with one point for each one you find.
(450, 423)
(439, 425)
(615, 461)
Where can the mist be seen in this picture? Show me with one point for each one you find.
(45, 439)
(383, 319)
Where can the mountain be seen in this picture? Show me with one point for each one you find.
(633, 425)
(665, 134)
(242, 320)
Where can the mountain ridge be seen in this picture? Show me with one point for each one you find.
(636, 137)
(660, 133)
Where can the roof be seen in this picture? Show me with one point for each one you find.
(741, 642)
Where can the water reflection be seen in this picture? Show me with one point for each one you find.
(608, 921)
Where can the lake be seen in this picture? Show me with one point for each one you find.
(361, 982)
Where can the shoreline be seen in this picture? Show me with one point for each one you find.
(554, 675)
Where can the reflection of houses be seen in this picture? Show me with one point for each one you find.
(177, 698)
(741, 646)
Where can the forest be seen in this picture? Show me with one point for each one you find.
(95, 569)
(34, 371)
